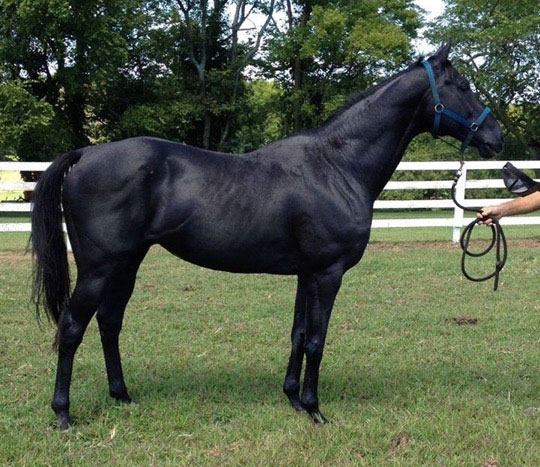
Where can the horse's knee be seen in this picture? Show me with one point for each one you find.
(314, 349)
(297, 336)
(70, 337)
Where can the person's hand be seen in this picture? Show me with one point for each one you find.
(489, 214)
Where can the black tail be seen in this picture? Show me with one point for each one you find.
(51, 282)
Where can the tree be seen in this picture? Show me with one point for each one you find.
(206, 53)
(332, 49)
(27, 124)
(260, 122)
(64, 51)
(497, 45)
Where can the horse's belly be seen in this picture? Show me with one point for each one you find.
(242, 259)
(234, 248)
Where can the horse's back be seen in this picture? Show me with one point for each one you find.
(214, 209)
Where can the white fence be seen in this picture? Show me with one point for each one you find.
(455, 222)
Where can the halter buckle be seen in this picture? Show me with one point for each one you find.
(474, 126)
(439, 108)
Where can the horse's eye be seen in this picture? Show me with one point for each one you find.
(464, 86)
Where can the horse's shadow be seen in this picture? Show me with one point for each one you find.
(240, 384)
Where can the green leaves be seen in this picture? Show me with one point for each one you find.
(326, 35)
(333, 50)
(498, 47)
(28, 125)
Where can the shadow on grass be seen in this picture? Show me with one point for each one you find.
(240, 386)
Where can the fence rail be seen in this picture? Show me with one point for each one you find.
(457, 221)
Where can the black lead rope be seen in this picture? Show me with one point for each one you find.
(497, 239)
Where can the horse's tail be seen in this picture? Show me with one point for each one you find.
(50, 282)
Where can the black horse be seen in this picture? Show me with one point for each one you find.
(301, 206)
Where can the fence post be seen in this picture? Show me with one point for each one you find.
(66, 238)
(458, 212)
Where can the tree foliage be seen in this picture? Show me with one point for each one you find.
(497, 44)
(26, 124)
(234, 75)
(48, 48)
(329, 50)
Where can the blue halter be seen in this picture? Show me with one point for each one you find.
(441, 110)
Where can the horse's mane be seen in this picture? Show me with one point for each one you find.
(368, 92)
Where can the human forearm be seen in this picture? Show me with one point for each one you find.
(523, 205)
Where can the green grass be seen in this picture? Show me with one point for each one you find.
(205, 354)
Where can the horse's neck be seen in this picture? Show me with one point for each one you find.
(378, 129)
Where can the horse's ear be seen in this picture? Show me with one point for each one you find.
(442, 54)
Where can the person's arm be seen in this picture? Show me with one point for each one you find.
(523, 205)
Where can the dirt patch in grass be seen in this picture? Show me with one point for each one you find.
(398, 443)
(10, 256)
(461, 320)
(490, 463)
(20, 255)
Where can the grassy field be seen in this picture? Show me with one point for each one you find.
(205, 355)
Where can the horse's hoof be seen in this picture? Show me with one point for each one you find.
(64, 422)
(318, 417)
(124, 398)
(297, 405)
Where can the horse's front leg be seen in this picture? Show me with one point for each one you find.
(321, 289)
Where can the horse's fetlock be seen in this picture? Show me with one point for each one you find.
(310, 402)
(60, 405)
(117, 389)
(291, 387)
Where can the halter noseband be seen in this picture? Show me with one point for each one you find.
(441, 110)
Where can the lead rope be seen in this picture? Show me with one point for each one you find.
(497, 239)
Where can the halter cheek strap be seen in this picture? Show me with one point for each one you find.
(441, 110)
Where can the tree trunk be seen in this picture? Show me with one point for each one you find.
(298, 68)
(206, 129)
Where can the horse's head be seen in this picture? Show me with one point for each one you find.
(459, 113)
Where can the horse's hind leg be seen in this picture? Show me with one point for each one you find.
(291, 386)
(87, 295)
(109, 316)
